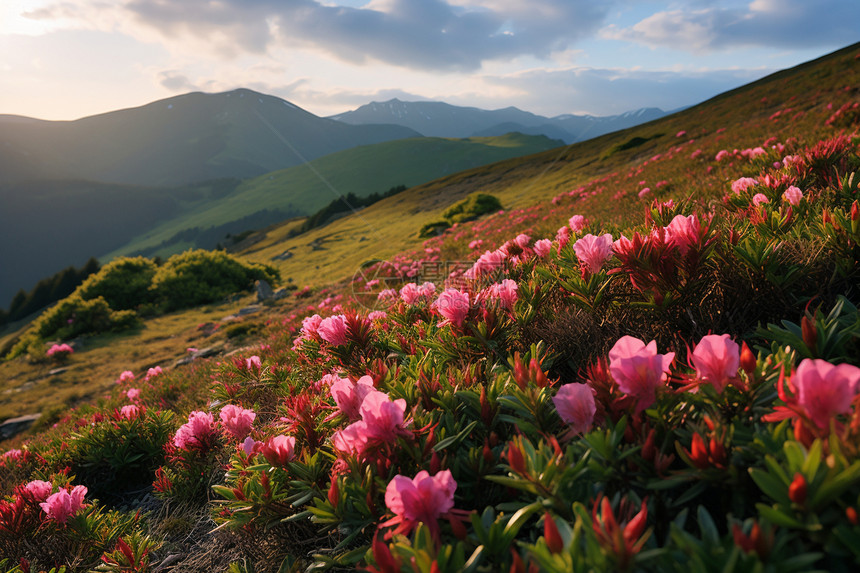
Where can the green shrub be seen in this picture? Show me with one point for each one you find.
(124, 283)
(74, 316)
(199, 277)
(433, 229)
(472, 207)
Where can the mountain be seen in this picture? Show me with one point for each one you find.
(440, 119)
(183, 139)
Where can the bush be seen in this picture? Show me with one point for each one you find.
(74, 316)
(200, 277)
(472, 207)
(124, 283)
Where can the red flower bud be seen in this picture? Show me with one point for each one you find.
(551, 534)
(851, 514)
(458, 528)
(488, 453)
(855, 211)
(333, 493)
(748, 359)
(517, 565)
(648, 448)
(515, 458)
(797, 489)
(699, 452)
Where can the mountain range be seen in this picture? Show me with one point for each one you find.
(439, 119)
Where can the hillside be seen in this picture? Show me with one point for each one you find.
(179, 140)
(649, 360)
(303, 189)
(439, 119)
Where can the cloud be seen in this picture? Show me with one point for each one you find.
(176, 81)
(613, 91)
(773, 23)
(426, 34)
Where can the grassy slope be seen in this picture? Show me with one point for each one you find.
(390, 226)
(734, 118)
(362, 170)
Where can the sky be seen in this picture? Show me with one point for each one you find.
(66, 59)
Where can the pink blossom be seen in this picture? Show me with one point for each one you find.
(249, 445)
(722, 154)
(577, 223)
(387, 294)
(333, 330)
(543, 247)
(126, 376)
(487, 263)
(197, 432)
(62, 505)
(152, 373)
(522, 241)
(576, 406)
(38, 490)
(505, 292)
(681, 133)
(352, 440)
(310, 325)
(825, 390)
(130, 412)
(279, 450)
(453, 305)
(716, 359)
(132, 393)
(644, 192)
(254, 364)
(476, 244)
(760, 198)
(638, 369)
(60, 350)
(409, 293)
(683, 232)
(593, 251)
(742, 184)
(384, 417)
(349, 396)
(793, 195)
(377, 315)
(237, 420)
(422, 498)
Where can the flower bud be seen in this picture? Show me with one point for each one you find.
(551, 534)
(809, 332)
(748, 360)
(797, 489)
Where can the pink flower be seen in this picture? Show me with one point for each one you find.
(683, 232)
(422, 498)
(577, 223)
(333, 330)
(387, 294)
(310, 325)
(825, 390)
(152, 373)
(576, 406)
(38, 490)
(249, 445)
(197, 432)
(505, 292)
(716, 359)
(742, 184)
(376, 315)
(349, 396)
(409, 293)
(453, 305)
(793, 195)
(543, 247)
(126, 376)
(352, 440)
(760, 198)
(592, 251)
(722, 154)
(60, 350)
(237, 420)
(638, 369)
(254, 364)
(487, 263)
(644, 192)
(62, 505)
(132, 393)
(130, 412)
(279, 450)
(383, 417)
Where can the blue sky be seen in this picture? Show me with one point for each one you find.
(64, 59)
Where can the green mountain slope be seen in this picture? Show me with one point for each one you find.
(303, 189)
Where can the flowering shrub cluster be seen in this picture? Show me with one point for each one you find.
(678, 394)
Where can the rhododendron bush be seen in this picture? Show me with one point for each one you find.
(678, 394)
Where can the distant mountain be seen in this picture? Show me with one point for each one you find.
(438, 119)
(184, 139)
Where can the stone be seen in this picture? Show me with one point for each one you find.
(14, 426)
(264, 290)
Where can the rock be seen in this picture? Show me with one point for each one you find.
(283, 256)
(281, 293)
(248, 310)
(264, 290)
(58, 371)
(202, 353)
(14, 426)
